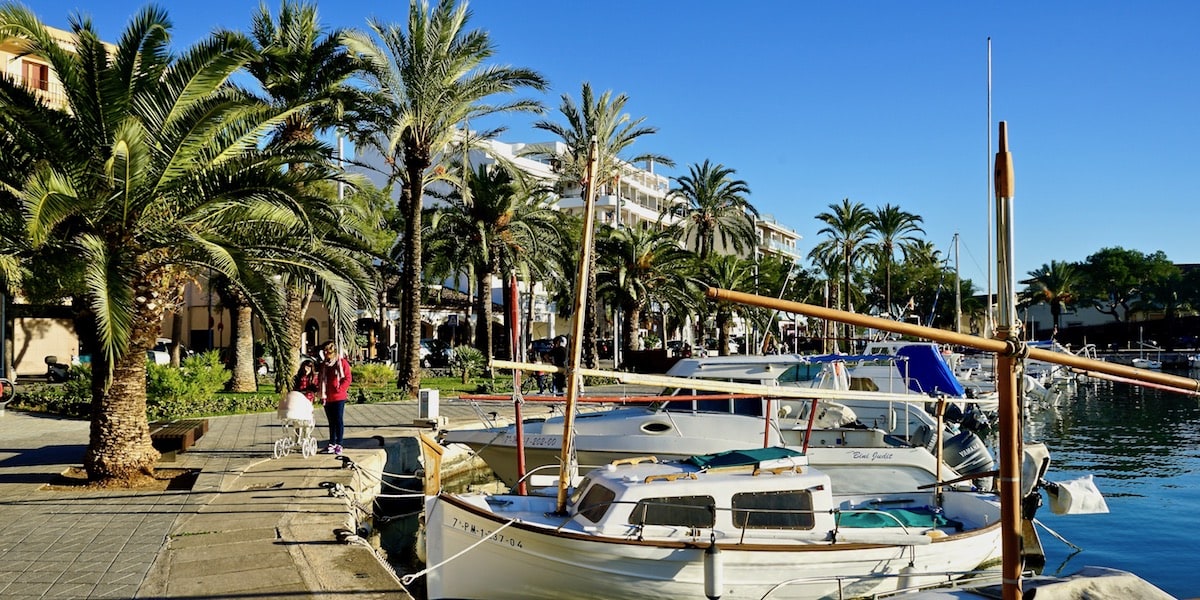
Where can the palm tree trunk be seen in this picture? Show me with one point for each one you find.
(483, 308)
(409, 354)
(287, 361)
(119, 446)
(244, 378)
(178, 322)
(846, 326)
(590, 326)
(724, 322)
(629, 327)
(887, 272)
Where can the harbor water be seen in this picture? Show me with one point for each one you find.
(1143, 447)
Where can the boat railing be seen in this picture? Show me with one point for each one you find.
(948, 580)
(689, 515)
(529, 475)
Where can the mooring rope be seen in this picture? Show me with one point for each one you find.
(408, 579)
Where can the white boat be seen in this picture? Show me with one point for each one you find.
(712, 526)
(1043, 382)
(1142, 362)
(922, 377)
(682, 426)
(1147, 363)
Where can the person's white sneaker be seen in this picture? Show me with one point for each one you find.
(330, 449)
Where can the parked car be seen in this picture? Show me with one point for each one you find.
(679, 348)
(435, 353)
(161, 353)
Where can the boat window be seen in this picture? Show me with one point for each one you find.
(863, 384)
(773, 510)
(680, 511)
(596, 502)
(748, 406)
(800, 372)
(691, 404)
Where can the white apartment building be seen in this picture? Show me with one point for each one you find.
(636, 197)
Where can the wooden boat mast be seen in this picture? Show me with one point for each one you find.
(574, 377)
(1008, 332)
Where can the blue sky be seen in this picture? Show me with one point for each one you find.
(879, 102)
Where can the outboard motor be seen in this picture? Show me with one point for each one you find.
(967, 454)
(964, 452)
(976, 419)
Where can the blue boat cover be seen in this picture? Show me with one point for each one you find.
(928, 372)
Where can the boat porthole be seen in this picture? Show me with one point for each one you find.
(656, 427)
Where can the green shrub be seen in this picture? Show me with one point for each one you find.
(39, 397)
(468, 361)
(227, 403)
(171, 392)
(596, 380)
(373, 375)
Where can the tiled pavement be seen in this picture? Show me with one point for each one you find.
(251, 526)
(120, 544)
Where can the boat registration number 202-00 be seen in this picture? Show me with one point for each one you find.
(475, 530)
(535, 441)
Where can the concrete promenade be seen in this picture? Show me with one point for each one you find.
(251, 527)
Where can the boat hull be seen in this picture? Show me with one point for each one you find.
(526, 561)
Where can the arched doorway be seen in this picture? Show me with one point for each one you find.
(311, 331)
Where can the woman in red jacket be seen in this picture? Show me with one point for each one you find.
(335, 388)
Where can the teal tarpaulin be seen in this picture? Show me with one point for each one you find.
(920, 518)
(741, 458)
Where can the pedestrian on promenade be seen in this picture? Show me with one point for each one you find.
(334, 389)
(307, 381)
(558, 357)
(540, 376)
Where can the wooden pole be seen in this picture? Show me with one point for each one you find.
(1006, 378)
(1173, 382)
(574, 378)
(518, 421)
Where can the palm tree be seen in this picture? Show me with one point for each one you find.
(155, 165)
(892, 227)
(298, 63)
(497, 222)
(241, 356)
(846, 226)
(604, 120)
(1053, 284)
(434, 76)
(641, 266)
(731, 273)
(922, 253)
(709, 204)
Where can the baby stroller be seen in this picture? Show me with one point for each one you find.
(296, 414)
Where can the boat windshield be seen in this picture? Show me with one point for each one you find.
(690, 403)
(876, 479)
(592, 501)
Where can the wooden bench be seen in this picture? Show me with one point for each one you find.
(170, 437)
